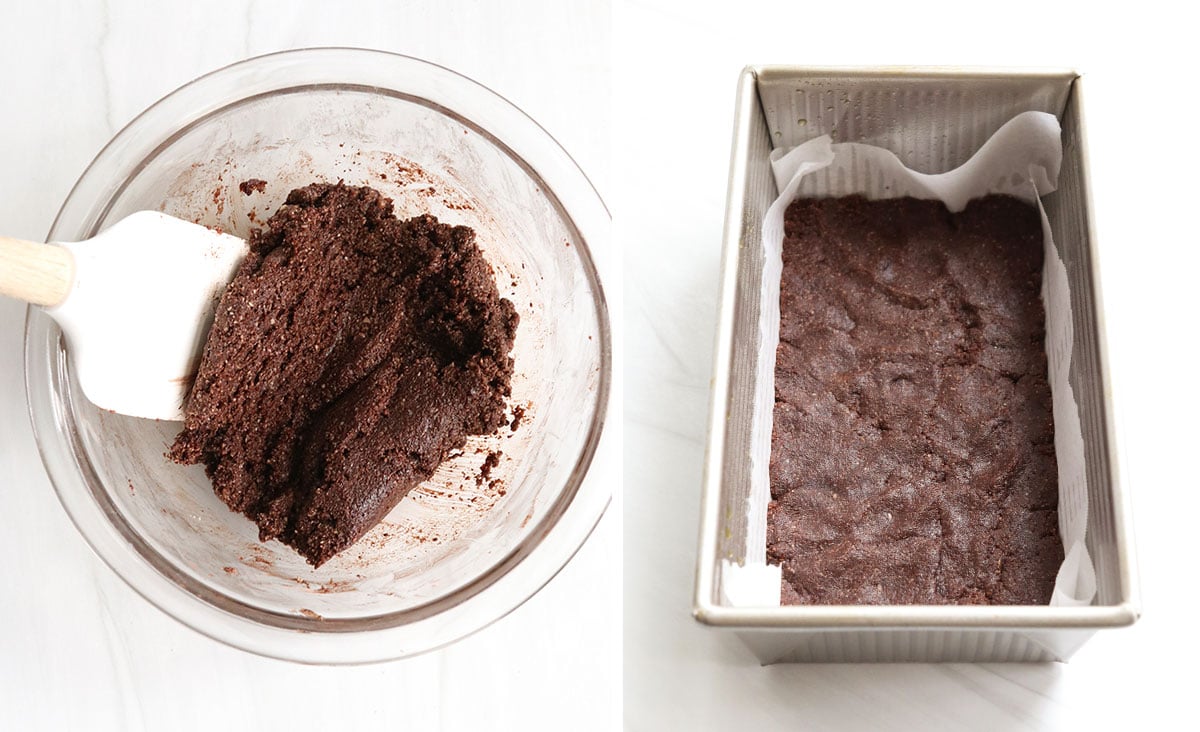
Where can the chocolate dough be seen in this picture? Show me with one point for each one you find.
(351, 353)
(912, 457)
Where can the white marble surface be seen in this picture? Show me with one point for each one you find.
(78, 649)
(676, 68)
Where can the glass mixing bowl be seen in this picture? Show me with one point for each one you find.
(457, 553)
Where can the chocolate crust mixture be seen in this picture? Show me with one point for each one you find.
(351, 353)
(912, 456)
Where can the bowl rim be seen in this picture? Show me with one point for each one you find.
(424, 627)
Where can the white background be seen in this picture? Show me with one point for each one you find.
(676, 71)
(78, 649)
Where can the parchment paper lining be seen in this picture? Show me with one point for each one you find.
(1021, 159)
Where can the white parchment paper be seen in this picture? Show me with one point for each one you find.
(1021, 159)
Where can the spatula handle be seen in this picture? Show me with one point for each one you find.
(38, 273)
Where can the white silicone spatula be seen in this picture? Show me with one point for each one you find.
(134, 302)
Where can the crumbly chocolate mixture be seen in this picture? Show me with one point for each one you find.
(250, 186)
(349, 355)
(912, 458)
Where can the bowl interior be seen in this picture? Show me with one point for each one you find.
(453, 528)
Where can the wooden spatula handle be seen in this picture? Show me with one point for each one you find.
(38, 273)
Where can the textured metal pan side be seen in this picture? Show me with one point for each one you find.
(927, 645)
(756, 191)
(1068, 211)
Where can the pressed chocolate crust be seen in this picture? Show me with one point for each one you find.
(351, 353)
(912, 456)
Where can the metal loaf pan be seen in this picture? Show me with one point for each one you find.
(933, 119)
